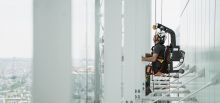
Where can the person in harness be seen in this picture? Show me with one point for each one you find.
(160, 56)
(157, 57)
(158, 64)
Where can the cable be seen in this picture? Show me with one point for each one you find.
(86, 51)
(161, 11)
(214, 22)
(122, 50)
(155, 16)
(184, 8)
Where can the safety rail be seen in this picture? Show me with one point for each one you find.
(191, 70)
(200, 74)
(215, 80)
(151, 98)
(173, 91)
(171, 86)
(165, 82)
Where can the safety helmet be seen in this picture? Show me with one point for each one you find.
(162, 36)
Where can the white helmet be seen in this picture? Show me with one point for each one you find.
(162, 36)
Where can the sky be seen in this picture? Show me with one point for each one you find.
(16, 28)
(170, 14)
(82, 22)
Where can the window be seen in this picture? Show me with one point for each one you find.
(16, 50)
(83, 50)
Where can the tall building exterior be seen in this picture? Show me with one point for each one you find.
(89, 51)
(199, 25)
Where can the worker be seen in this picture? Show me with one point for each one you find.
(158, 64)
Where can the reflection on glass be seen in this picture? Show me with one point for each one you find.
(16, 51)
(16, 80)
(83, 50)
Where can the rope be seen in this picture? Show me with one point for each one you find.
(184, 8)
(161, 11)
(86, 37)
(214, 22)
(122, 51)
(155, 17)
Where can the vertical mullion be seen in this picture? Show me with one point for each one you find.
(52, 51)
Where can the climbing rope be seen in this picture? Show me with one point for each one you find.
(161, 21)
(155, 15)
(86, 45)
(161, 11)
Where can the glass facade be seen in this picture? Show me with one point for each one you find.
(16, 51)
(87, 50)
(120, 27)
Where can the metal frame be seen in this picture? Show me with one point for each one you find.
(200, 74)
(214, 81)
(168, 98)
(99, 50)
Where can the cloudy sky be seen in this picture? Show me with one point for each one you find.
(16, 28)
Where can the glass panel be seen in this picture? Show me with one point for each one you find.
(83, 50)
(16, 51)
